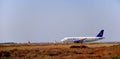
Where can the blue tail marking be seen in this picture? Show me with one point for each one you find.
(100, 34)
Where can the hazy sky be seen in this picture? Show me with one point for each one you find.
(49, 20)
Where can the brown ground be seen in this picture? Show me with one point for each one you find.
(60, 51)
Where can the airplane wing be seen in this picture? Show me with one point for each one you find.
(79, 41)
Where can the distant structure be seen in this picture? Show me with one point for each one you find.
(55, 41)
(29, 42)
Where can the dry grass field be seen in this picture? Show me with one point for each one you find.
(60, 51)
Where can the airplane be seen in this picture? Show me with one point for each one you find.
(83, 39)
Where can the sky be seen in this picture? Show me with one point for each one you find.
(49, 20)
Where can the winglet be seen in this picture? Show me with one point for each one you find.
(100, 34)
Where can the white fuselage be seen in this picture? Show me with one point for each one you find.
(84, 39)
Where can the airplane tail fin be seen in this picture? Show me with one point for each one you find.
(100, 34)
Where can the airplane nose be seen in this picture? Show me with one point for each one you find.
(62, 40)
